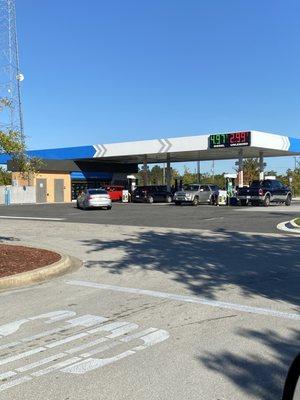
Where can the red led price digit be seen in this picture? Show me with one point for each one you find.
(243, 137)
(231, 138)
(237, 137)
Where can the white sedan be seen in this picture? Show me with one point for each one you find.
(94, 198)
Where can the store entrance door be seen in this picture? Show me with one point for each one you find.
(41, 190)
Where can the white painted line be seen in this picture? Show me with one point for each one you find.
(108, 346)
(9, 345)
(7, 375)
(22, 355)
(41, 362)
(138, 335)
(42, 334)
(152, 339)
(122, 330)
(33, 337)
(188, 299)
(56, 366)
(15, 382)
(87, 320)
(54, 316)
(31, 218)
(11, 327)
(94, 363)
(86, 345)
(66, 340)
(108, 327)
(81, 321)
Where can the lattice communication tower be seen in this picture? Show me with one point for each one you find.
(11, 117)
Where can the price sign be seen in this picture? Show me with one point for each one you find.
(235, 139)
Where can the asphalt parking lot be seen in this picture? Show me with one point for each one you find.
(158, 310)
(222, 307)
(245, 219)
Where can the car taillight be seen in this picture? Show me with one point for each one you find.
(260, 192)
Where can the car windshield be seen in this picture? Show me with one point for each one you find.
(266, 183)
(191, 188)
(256, 184)
(97, 191)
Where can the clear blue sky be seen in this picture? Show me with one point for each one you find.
(103, 71)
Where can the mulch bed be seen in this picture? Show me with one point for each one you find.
(16, 259)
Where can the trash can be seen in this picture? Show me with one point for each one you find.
(233, 201)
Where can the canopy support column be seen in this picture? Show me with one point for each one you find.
(261, 166)
(145, 170)
(168, 172)
(240, 170)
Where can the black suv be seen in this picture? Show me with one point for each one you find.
(151, 194)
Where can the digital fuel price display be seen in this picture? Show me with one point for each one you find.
(235, 139)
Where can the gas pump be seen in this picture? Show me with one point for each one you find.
(230, 188)
(132, 183)
(178, 184)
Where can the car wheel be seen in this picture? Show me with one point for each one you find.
(108, 207)
(195, 201)
(168, 199)
(267, 201)
(243, 203)
(288, 200)
(150, 199)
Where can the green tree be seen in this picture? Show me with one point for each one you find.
(5, 177)
(156, 175)
(13, 144)
(251, 170)
(188, 177)
(295, 180)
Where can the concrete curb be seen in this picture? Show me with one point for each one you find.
(289, 226)
(64, 265)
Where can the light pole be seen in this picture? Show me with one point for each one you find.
(213, 170)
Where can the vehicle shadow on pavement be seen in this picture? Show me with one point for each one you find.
(206, 263)
(257, 374)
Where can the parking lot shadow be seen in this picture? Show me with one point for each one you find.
(206, 263)
(260, 375)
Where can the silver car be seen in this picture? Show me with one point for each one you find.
(94, 198)
(195, 194)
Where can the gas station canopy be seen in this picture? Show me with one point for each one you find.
(219, 146)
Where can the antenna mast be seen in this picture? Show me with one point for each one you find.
(11, 117)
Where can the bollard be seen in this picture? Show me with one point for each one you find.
(7, 196)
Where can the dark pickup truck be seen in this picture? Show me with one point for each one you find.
(265, 192)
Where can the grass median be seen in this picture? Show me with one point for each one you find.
(297, 221)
